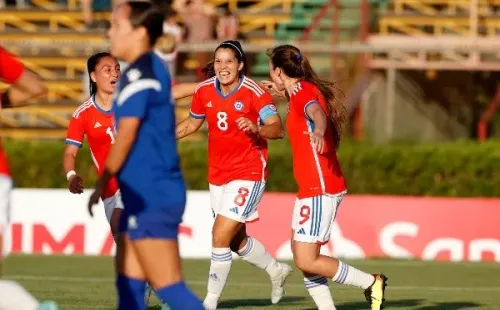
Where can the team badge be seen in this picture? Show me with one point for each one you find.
(238, 106)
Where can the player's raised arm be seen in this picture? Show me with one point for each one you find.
(26, 85)
(183, 90)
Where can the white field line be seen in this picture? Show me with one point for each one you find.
(254, 284)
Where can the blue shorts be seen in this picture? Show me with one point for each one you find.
(157, 225)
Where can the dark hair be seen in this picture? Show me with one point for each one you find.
(146, 14)
(295, 65)
(92, 63)
(235, 46)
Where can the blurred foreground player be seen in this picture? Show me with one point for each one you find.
(25, 86)
(241, 117)
(94, 119)
(144, 158)
(314, 125)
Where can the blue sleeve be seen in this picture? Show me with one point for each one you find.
(133, 98)
(267, 111)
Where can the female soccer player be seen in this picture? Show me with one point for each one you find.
(240, 116)
(25, 85)
(94, 119)
(314, 125)
(144, 158)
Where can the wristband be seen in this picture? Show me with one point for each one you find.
(70, 174)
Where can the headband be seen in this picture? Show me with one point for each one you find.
(233, 45)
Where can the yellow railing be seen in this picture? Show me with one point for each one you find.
(251, 22)
(30, 21)
(45, 66)
(61, 90)
(435, 25)
(254, 5)
(430, 7)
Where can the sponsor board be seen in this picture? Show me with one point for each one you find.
(450, 229)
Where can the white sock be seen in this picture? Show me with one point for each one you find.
(219, 271)
(351, 276)
(14, 297)
(319, 290)
(255, 253)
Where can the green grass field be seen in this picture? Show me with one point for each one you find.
(87, 283)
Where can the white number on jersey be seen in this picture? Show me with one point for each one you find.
(222, 121)
(109, 131)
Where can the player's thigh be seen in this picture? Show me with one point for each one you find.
(215, 197)
(126, 259)
(160, 260)
(240, 200)
(113, 207)
(313, 218)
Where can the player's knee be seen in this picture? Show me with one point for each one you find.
(219, 240)
(304, 261)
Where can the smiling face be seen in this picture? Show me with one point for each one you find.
(106, 74)
(227, 67)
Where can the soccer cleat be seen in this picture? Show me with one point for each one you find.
(375, 294)
(277, 290)
(48, 305)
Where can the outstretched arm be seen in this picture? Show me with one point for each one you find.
(183, 90)
(187, 127)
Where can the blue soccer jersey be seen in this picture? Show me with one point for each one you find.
(152, 186)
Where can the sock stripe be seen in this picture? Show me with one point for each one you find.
(315, 281)
(222, 257)
(343, 273)
(248, 247)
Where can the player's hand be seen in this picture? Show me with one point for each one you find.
(75, 184)
(246, 125)
(94, 198)
(277, 90)
(317, 140)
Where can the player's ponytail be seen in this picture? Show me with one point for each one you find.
(91, 66)
(296, 65)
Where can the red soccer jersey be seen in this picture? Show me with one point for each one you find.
(316, 174)
(98, 125)
(10, 72)
(232, 153)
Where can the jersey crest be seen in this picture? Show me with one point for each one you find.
(238, 106)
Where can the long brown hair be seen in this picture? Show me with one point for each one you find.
(295, 65)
